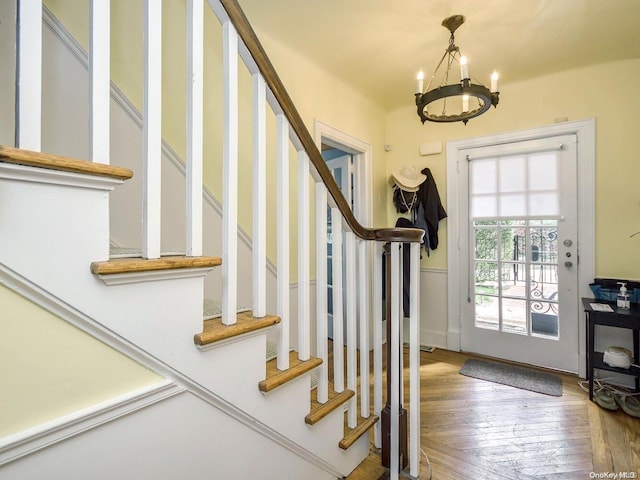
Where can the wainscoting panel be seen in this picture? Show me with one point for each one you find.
(433, 308)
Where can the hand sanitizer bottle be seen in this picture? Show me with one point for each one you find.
(623, 296)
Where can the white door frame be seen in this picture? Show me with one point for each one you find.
(362, 155)
(585, 132)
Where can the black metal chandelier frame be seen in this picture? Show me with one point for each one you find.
(485, 97)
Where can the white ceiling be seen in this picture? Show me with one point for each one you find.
(379, 45)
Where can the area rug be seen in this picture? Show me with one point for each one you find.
(514, 376)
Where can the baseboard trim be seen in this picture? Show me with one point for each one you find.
(41, 436)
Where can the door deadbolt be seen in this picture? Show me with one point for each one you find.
(567, 243)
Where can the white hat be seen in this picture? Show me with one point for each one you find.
(408, 178)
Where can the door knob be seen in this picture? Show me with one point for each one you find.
(568, 264)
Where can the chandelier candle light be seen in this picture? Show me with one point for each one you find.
(481, 96)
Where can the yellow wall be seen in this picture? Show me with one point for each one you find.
(50, 368)
(604, 92)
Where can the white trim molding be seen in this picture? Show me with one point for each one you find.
(41, 436)
(25, 173)
(363, 159)
(153, 276)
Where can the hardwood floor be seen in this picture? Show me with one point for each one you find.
(473, 429)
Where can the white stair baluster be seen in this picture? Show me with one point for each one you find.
(321, 292)
(304, 307)
(352, 340)
(363, 311)
(393, 366)
(152, 129)
(336, 282)
(230, 175)
(259, 246)
(414, 362)
(195, 102)
(377, 339)
(99, 80)
(29, 76)
(283, 240)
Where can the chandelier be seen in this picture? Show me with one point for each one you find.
(466, 99)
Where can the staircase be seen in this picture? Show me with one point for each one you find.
(150, 306)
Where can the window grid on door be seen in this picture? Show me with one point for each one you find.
(515, 288)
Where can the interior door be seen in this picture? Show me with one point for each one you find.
(342, 170)
(521, 237)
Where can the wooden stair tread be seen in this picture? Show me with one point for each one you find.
(214, 330)
(353, 434)
(276, 378)
(320, 410)
(133, 265)
(57, 162)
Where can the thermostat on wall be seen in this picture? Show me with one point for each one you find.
(430, 148)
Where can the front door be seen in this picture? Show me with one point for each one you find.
(520, 233)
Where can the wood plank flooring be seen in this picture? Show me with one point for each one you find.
(473, 429)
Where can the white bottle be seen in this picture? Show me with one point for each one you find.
(623, 296)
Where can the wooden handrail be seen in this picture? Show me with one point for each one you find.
(250, 39)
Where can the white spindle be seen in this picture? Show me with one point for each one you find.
(304, 307)
(321, 292)
(401, 324)
(352, 340)
(99, 80)
(152, 129)
(195, 102)
(377, 339)
(29, 73)
(394, 364)
(336, 282)
(259, 196)
(363, 310)
(414, 362)
(230, 174)
(283, 240)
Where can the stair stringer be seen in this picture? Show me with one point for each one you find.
(176, 382)
(57, 224)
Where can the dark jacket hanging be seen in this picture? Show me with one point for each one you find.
(433, 209)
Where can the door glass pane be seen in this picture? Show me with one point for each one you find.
(512, 242)
(514, 315)
(487, 312)
(486, 247)
(513, 280)
(513, 174)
